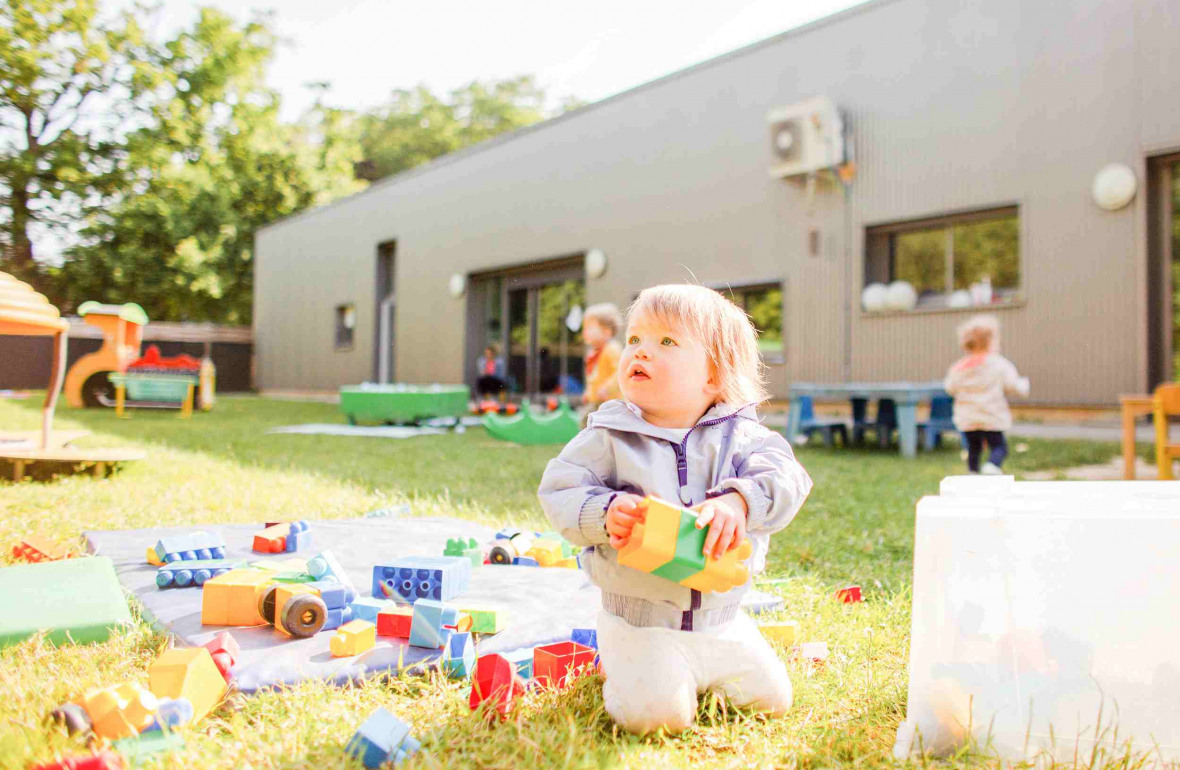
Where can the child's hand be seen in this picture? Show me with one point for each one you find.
(624, 511)
(726, 518)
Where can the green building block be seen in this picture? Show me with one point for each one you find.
(690, 551)
(73, 599)
(144, 746)
(526, 428)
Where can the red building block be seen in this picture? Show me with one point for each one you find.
(555, 665)
(225, 651)
(35, 549)
(849, 595)
(495, 681)
(396, 621)
(103, 760)
(272, 539)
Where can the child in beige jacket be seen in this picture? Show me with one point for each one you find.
(979, 382)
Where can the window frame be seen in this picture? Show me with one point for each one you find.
(730, 292)
(888, 231)
(344, 346)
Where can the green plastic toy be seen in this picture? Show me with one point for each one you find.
(75, 600)
(526, 428)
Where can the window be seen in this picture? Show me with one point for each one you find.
(345, 326)
(965, 260)
(764, 304)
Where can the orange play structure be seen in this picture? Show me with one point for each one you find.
(122, 332)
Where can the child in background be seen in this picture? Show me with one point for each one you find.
(600, 324)
(687, 432)
(979, 382)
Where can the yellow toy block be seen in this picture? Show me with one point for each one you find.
(785, 633)
(188, 673)
(153, 558)
(653, 541)
(546, 552)
(353, 638)
(724, 573)
(231, 599)
(567, 563)
(119, 711)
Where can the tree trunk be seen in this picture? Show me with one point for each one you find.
(18, 257)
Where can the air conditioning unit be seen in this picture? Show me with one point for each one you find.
(806, 137)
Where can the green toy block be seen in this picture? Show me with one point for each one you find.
(293, 577)
(526, 428)
(143, 747)
(486, 620)
(73, 599)
(690, 547)
(469, 548)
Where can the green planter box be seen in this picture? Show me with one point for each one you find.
(171, 388)
(403, 403)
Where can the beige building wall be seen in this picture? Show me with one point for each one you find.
(953, 107)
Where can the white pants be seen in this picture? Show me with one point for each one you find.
(653, 675)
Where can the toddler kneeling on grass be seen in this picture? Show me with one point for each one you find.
(686, 431)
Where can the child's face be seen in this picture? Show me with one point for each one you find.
(665, 372)
(595, 333)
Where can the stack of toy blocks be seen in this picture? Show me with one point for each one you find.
(458, 659)
(468, 549)
(305, 609)
(667, 543)
(232, 599)
(383, 738)
(190, 546)
(188, 673)
(225, 652)
(434, 622)
(283, 537)
(353, 638)
(496, 683)
(395, 621)
(324, 566)
(180, 574)
(36, 549)
(556, 665)
(368, 608)
(422, 577)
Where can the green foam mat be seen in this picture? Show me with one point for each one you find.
(73, 599)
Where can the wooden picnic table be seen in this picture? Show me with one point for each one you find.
(907, 396)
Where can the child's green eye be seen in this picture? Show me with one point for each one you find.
(632, 340)
(667, 341)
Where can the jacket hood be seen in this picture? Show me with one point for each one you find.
(622, 416)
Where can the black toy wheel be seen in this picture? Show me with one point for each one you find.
(499, 555)
(304, 615)
(73, 716)
(266, 604)
(98, 390)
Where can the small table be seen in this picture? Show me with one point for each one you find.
(1133, 408)
(907, 396)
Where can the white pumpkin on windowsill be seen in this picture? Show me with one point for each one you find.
(901, 295)
(873, 298)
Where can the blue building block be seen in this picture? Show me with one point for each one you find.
(525, 561)
(522, 660)
(458, 658)
(422, 577)
(336, 596)
(366, 607)
(172, 712)
(382, 738)
(299, 536)
(190, 546)
(433, 624)
(324, 566)
(585, 636)
(179, 574)
(507, 534)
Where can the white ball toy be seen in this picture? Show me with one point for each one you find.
(960, 298)
(901, 296)
(872, 299)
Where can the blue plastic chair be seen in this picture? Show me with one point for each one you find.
(883, 424)
(941, 420)
(808, 424)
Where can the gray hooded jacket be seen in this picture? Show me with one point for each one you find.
(619, 451)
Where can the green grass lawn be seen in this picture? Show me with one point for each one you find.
(857, 527)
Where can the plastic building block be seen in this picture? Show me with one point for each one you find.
(153, 558)
(225, 652)
(468, 549)
(367, 608)
(785, 633)
(458, 658)
(814, 651)
(324, 566)
(280, 566)
(381, 739)
(502, 552)
(273, 539)
(522, 661)
(434, 622)
(298, 537)
(485, 620)
(188, 673)
(72, 717)
(555, 665)
(103, 760)
(849, 595)
(172, 712)
(668, 544)
(495, 683)
(526, 428)
(138, 749)
(567, 563)
(74, 600)
(190, 546)
(422, 577)
(293, 577)
(182, 574)
(232, 599)
(119, 711)
(587, 637)
(395, 621)
(546, 552)
(35, 548)
(353, 638)
(298, 609)
(525, 561)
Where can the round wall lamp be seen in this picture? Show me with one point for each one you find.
(595, 263)
(457, 286)
(1114, 186)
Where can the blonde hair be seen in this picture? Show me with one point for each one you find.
(726, 332)
(607, 314)
(979, 334)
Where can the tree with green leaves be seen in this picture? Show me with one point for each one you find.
(62, 69)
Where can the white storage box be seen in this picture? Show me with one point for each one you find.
(1046, 619)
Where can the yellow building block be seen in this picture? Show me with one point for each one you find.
(153, 558)
(119, 711)
(785, 633)
(653, 541)
(547, 552)
(231, 599)
(722, 574)
(284, 592)
(568, 563)
(188, 673)
(353, 638)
